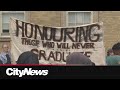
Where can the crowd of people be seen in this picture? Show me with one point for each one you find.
(75, 58)
(31, 57)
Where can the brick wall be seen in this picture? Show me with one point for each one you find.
(111, 22)
(110, 19)
(48, 18)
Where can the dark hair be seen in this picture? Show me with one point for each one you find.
(109, 51)
(116, 46)
(27, 58)
(77, 58)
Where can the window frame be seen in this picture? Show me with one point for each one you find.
(5, 12)
(67, 23)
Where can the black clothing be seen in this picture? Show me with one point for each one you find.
(8, 59)
(78, 58)
(28, 58)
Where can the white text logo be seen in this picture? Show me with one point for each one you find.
(26, 71)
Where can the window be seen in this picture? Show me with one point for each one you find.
(6, 18)
(78, 18)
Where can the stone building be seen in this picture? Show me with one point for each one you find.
(110, 21)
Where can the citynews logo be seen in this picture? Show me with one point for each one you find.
(26, 71)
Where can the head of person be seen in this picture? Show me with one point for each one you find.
(77, 58)
(28, 57)
(5, 48)
(116, 48)
(110, 52)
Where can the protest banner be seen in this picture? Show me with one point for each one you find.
(55, 43)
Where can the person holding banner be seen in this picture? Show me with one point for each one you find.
(77, 58)
(5, 55)
(114, 59)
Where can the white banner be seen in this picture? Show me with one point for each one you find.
(55, 43)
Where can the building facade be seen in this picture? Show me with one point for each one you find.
(110, 21)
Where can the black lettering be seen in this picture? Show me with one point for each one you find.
(18, 27)
(83, 45)
(26, 41)
(51, 55)
(74, 46)
(23, 40)
(63, 45)
(48, 44)
(41, 32)
(78, 45)
(77, 34)
(37, 42)
(64, 57)
(42, 54)
(92, 45)
(59, 45)
(55, 38)
(58, 55)
(47, 36)
(97, 35)
(67, 32)
(44, 43)
(83, 34)
(87, 54)
(30, 30)
(87, 45)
